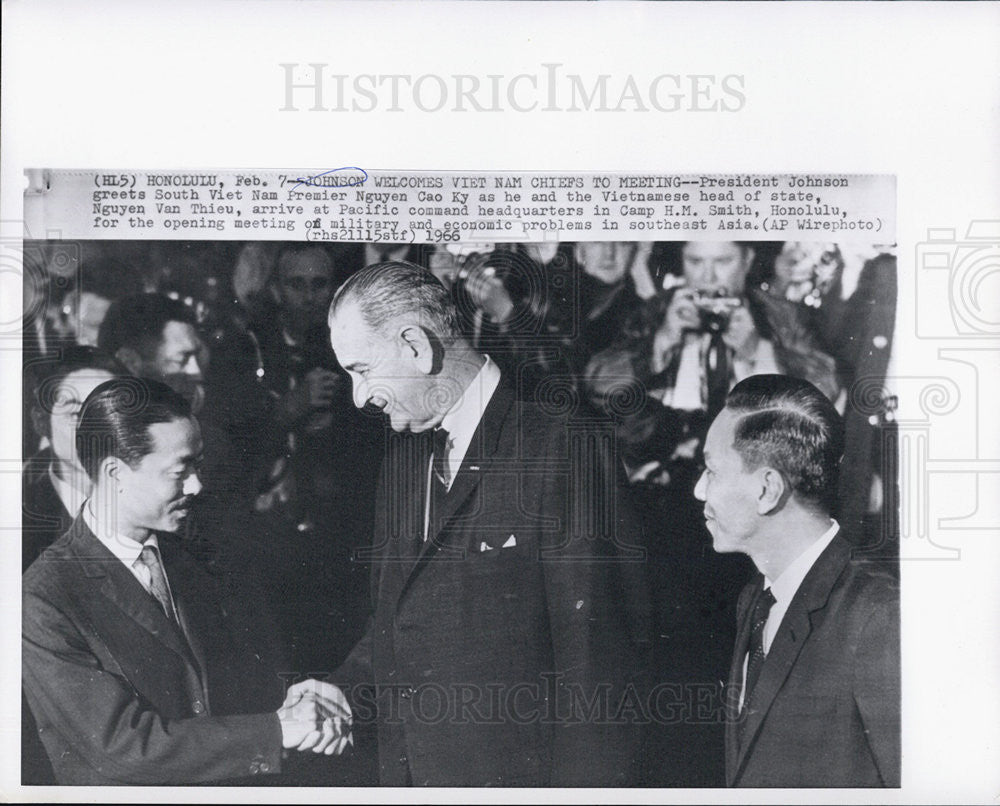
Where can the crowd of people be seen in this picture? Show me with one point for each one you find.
(642, 342)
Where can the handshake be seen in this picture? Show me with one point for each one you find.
(315, 716)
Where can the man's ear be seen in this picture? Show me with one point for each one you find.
(418, 347)
(130, 359)
(110, 471)
(773, 490)
(41, 421)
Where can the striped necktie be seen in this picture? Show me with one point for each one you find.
(755, 659)
(150, 558)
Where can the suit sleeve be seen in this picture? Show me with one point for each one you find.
(877, 688)
(98, 716)
(356, 670)
(593, 625)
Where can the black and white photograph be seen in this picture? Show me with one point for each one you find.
(498, 514)
(501, 400)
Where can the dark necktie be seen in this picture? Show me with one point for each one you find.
(755, 658)
(717, 374)
(441, 468)
(150, 558)
(438, 480)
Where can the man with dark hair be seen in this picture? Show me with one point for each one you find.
(156, 337)
(501, 647)
(816, 663)
(53, 483)
(54, 486)
(129, 654)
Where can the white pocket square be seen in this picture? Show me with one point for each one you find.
(484, 546)
(511, 542)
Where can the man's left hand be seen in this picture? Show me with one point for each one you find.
(741, 334)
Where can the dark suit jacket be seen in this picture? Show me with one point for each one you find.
(505, 666)
(44, 519)
(121, 694)
(827, 702)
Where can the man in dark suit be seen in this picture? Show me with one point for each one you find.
(53, 483)
(501, 648)
(814, 683)
(132, 666)
(54, 486)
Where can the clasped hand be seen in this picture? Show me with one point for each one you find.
(316, 716)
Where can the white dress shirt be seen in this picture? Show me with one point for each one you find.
(785, 587)
(461, 423)
(126, 549)
(688, 392)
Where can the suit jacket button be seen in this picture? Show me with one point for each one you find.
(198, 707)
(403, 759)
(265, 767)
(254, 767)
(407, 692)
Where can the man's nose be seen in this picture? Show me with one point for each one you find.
(192, 484)
(192, 366)
(360, 393)
(699, 488)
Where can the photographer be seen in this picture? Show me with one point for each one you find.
(684, 350)
(707, 340)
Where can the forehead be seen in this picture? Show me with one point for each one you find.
(92, 304)
(174, 441)
(350, 336)
(82, 382)
(179, 336)
(709, 250)
(722, 434)
(594, 250)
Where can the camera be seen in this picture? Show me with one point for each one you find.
(957, 281)
(715, 309)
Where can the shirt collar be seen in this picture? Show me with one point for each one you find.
(785, 586)
(463, 418)
(124, 548)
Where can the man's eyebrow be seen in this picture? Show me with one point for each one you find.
(353, 366)
(188, 459)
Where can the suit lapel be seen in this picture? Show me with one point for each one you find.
(481, 449)
(747, 601)
(117, 584)
(184, 603)
(795, 628)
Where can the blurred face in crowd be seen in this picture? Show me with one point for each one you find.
(305, 287)
(607, 261)
(728, 490)
(714, 267)
(391, 374)
(179, 360)
(65, 405)
(90, 311)
(156, 494)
